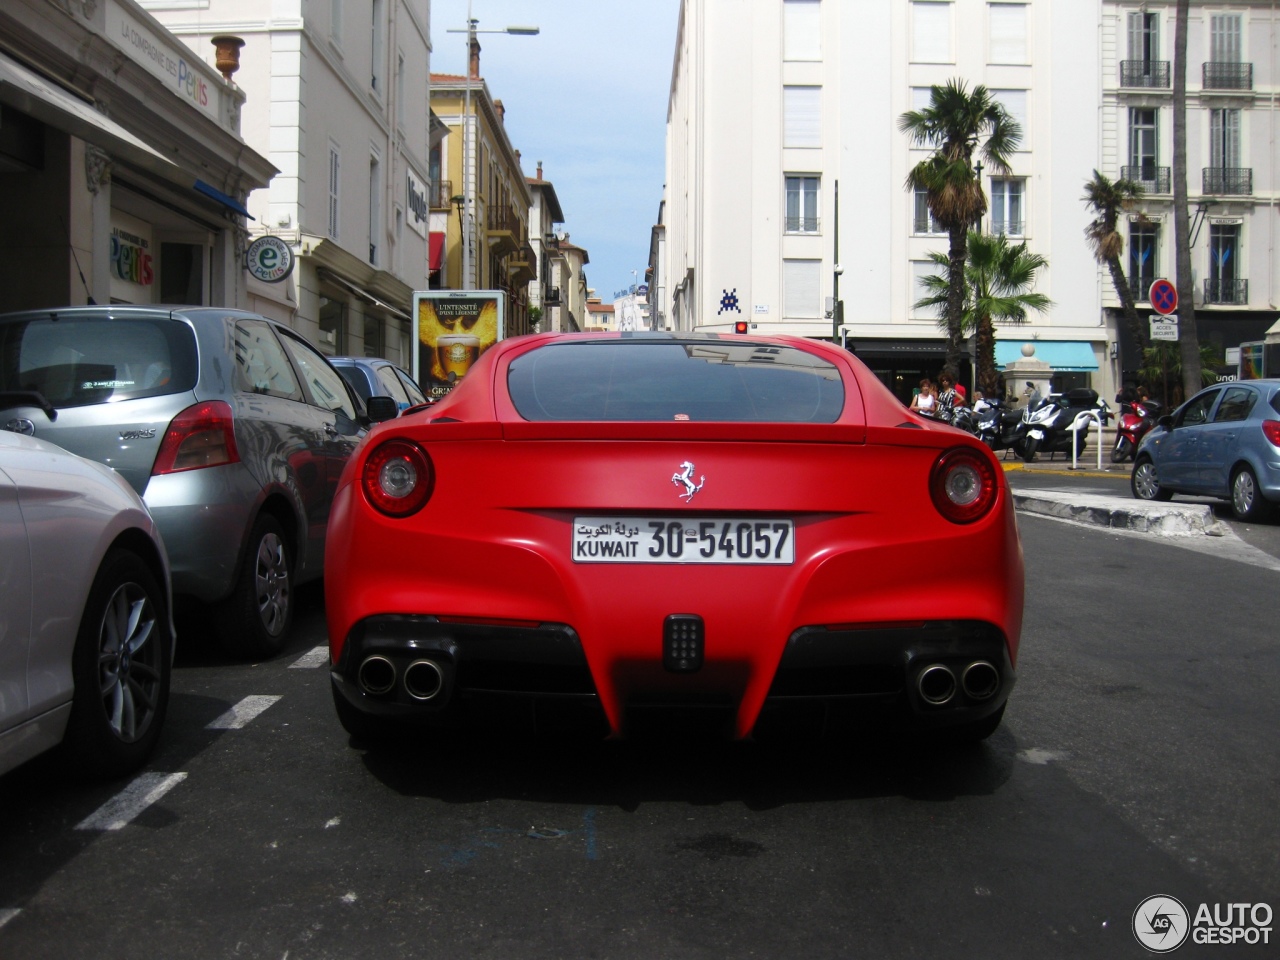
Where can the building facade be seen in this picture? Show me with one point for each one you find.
(546, 225)
(124, 174)
(492, 196)
(338, 103)
(786, 170)
(1232, 84)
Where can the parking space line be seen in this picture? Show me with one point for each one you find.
(242, 713)
(141, 793)
(312, 658)
(7, 915)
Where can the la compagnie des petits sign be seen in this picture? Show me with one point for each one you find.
(269, 259)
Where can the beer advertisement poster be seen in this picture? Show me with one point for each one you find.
(454, 328)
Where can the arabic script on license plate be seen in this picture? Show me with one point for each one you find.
(686, 539)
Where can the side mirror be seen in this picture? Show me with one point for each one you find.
(1166, 422)
(381, 408)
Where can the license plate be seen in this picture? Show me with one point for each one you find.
(736, 540)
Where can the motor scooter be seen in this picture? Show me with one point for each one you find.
(1136, 421)
(997, 424)
(1053, 424)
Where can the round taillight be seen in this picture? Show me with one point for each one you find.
(963, 485)
(397, 478)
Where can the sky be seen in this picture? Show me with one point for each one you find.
(587, 97)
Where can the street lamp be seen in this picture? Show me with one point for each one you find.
(468, 201)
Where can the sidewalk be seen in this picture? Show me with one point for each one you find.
(1086, 463)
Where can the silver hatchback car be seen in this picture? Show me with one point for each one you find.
(232, 428)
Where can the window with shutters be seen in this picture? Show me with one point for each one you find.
(923, 220)
(802, 288)
(1007, 207)
(1224, 38)
(1007, 33)
(1224, 139)
(802, 30)
(1144, 36)
(375, 46)
(802, 116)
(802, 204)
(1015, 104)
(1143, 258)
(931, 32)
(375, 207)
(334, 181)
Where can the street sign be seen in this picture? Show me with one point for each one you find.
(1163, 296)
(1164, 327)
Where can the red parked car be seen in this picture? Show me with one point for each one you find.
(621, 533)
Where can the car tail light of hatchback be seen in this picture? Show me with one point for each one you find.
(963, 485)
(200, 436)
(1271, 430)
(397, 478)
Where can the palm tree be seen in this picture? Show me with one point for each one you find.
(1107, 199)
(998, 282)
(956, 123)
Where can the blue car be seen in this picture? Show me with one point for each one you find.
(1223, 442)
(374, 377)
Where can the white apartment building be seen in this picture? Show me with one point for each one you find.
(1232, 125)
(338, 101)
(777, 105)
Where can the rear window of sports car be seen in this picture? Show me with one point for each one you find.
(711, 380)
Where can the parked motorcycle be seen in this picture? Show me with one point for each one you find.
(997, 424)
(1136, 421)
(1047, 425)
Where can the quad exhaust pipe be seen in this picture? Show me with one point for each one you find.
(422, 680)
(980, 680)
(937, 683)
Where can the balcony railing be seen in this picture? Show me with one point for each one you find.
(1008, 228)
(1144, 73)
(1152, 179)
(1236, 181)
(1228, 76)
(1226, 291)
(802, 224)
(1140, 288)
(440, 194)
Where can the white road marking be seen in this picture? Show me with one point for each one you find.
(318, 657)
(7, 915)
(242, 713)
(141, 793)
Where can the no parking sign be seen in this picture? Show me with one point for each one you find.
(1164, 296)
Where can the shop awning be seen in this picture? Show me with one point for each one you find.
(25, 90)
(1066, 355)
(230, 202)
(1273, 333)
(436, 240)
(364, 294)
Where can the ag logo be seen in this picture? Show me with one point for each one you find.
(1161, 923)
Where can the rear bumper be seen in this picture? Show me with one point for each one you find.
(844, 680)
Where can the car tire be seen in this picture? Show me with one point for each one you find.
(369, 730)
(1122, 451)
(121, 667)
(256, 618)
(1144, 482)
(1028, 448)
(1247, 502)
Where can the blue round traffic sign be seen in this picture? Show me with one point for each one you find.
(1164, 297)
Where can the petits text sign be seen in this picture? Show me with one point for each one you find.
(173, 63)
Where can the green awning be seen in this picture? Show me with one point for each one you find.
(1068, 355)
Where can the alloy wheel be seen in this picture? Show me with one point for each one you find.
(129, 662)
(271, 580)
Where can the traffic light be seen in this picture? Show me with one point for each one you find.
(740, 326)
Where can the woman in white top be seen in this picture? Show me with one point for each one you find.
(925, 402)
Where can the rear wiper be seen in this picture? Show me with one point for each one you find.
(34, 398)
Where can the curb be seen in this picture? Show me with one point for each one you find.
(1134, 516)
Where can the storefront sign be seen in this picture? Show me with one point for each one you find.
(181, 70)
(1164, 327)
(269, 259)
(417, 203)
(132, 259)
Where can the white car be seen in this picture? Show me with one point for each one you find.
(86, 628)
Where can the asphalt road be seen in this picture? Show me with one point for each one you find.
(1139, 756)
